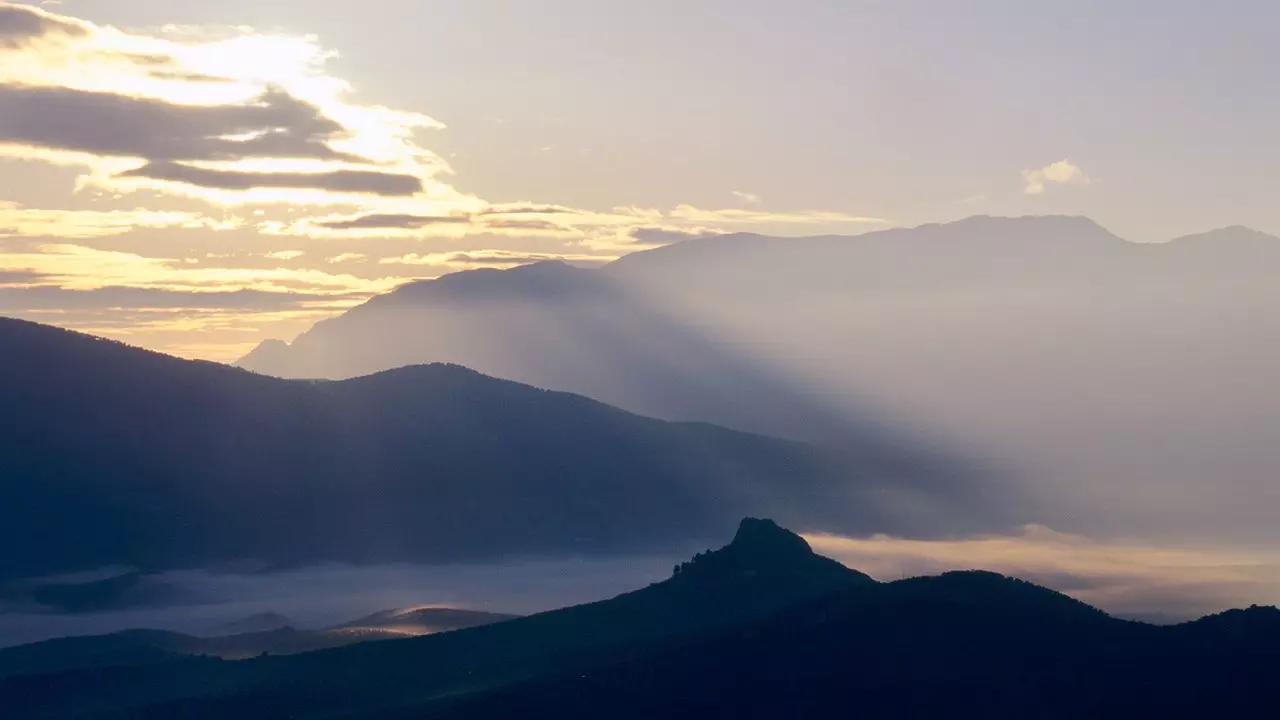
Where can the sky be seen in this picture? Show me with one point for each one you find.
(198, 176)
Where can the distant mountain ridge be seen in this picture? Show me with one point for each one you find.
(648, 331)
(556, 326)
(1046, 350)
(759, 628)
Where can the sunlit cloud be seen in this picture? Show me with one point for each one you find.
(738, 216)
(1124, 577)
(77, 267)
(190, 111)
(32, 298)
(747, 197)
(1062, 172)
(17, 221)
(346, 257)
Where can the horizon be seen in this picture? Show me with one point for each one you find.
(937, 286)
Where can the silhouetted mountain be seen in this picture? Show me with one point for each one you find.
(133, 647)
(760, 628)
(960, 645)
(117, 456)
(268, 353)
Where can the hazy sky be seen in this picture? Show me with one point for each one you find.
(169, 170)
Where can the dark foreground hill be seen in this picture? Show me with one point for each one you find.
(117, 456)
(762, 628)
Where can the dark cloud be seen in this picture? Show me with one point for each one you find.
(14, 300)
(383, 221)
(155, 60)
(276, 125)
(538, 225)
(19, 277)
(370, 182)
(500, 258)
(527, 210)
(662, 236)
(186, 76)
(20, 24)
(464, 258)
(391, 221)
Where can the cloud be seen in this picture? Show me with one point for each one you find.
(736, 216)
(232, 113)
(1123, 577)
(272, 125)
(377, 221)
(527, 210)
(117, 297)
(9, 278)
(286, 254)
(17, 221)
(486, 221)
(22, 24)
(491, 258)
(746, 197)
(530, 226)
(668, 236)
(83, 268)
(336, 181)
(1062, 172)
(346, 257)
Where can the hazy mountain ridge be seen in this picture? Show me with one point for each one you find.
(1093, 372)
(119, 456)
(757, 628)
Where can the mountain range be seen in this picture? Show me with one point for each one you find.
(759, 628)
(1097, 371)
(115, 456)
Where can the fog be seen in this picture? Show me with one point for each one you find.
(203, 602)
(1128, 577)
